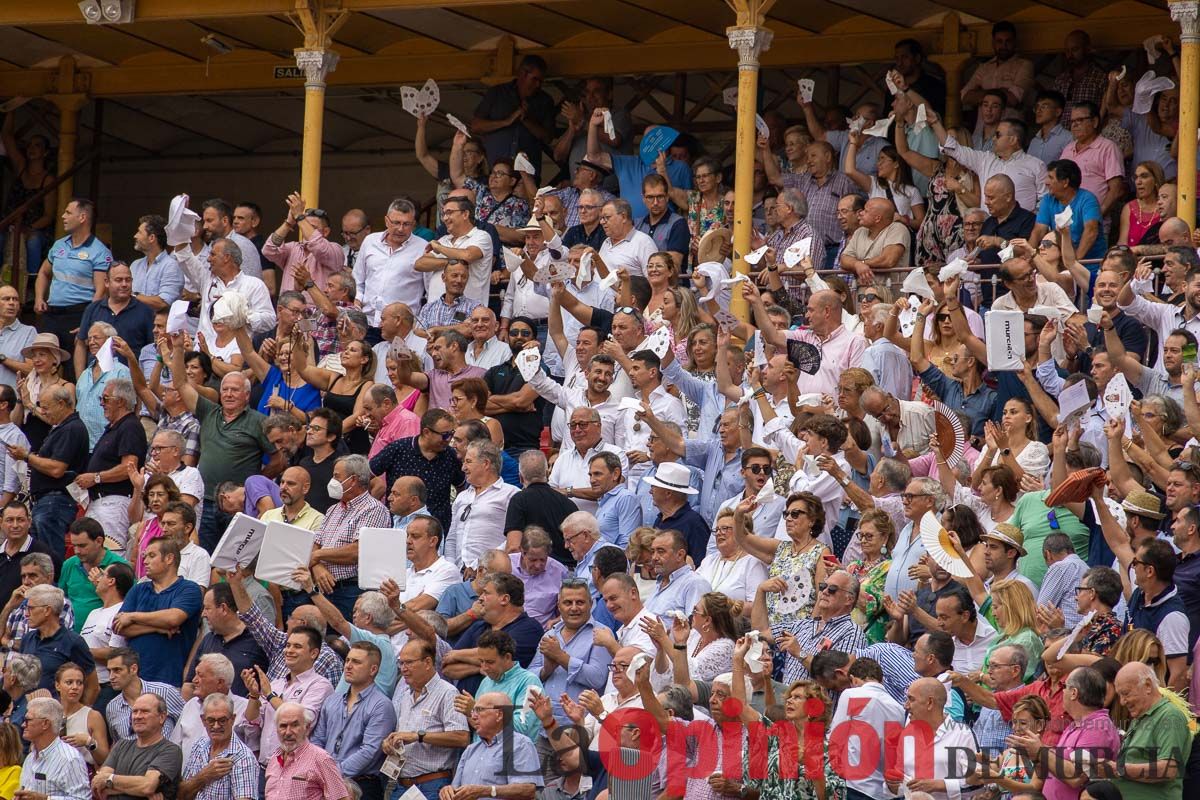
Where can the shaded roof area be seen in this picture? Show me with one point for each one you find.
(167, 93)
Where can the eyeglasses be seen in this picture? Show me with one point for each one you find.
(795, 513)
(723, 529)
(760, 469)
(649, 198)
(216, 722)
(582, 424)
(588, 207)
(352, 234)
(1046, 244)
(618, 667)
(496, 173)
(996, 665)
(908, 497)
(830, 588)
(1137, 562)
(445, 436)
(1079, 589)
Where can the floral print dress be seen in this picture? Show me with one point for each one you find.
(800, 572)
(778, 787)
(874, 621)
(941, 232)
(701, 220)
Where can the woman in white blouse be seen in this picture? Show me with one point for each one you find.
(731, 570)
(892, 180)
(1013, 443)
(708, 635)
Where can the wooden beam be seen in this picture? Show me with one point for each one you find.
(231, 73)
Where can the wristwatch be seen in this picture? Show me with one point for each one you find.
(421, 737)
(108, 782)
(493, 791)
(3, 358)
(1006, 452)
(570, 491)
(309, 284)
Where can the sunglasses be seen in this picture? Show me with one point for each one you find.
(867, 298)
(760, 469)
(1052, 518)
(445, 436)
(829, 588)
(795, 513)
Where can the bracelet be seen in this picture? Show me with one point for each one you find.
(471, 613)
(680, 646)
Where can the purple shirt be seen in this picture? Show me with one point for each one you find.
(1094, 732)
(258, 487)
(541, 591)
(440, 382)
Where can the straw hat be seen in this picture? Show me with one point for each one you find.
(1009, 535)
(46, 341)
(1143, 504)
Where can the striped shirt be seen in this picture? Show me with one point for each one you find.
(343, 521)
(437, 313)
(58, 771)
(119, 712)
(433, 712)
(308, 773)
(242, 780)
(896, 661)
(814, 635)
(991, 731)
(1058, 587)
(272, 641)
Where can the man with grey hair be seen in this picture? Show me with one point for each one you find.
(53, 768)
(791, 210)
(478, 514)
(581, 535)
(219, 764)
(587, 231)
(540, 503)
(587, 424)
(335, 548)
(624, 245)
(299, 762)
(121, 446)
(388, 421)
(922, 496)
(383, 271)
(1158, 729)
(214, 675)
(53, 643)
(829, 628)
(37, 569)
(541, 574)
(223, 273)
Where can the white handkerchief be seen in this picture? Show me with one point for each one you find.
(1078, 629)
(584, 275)
(105, 357)
(921, 121)
(177, 316)
(737, 278)
(1005, 254)
(630, 404)
(181, 221)
(635, 665)
(916, 283)
(232, 310)
(1147, 86)
(757, 255)
(760, 353)
(521, 164)
(531, 694)
(730, 96)
(1095, 314)
(765, 493)
(609, 129)
(955, 267)
(675, 613)
(422, 102)
(747, 396)
(1049, 312)
(760, 126)
(528, 363)
(855, 124)
(1151, 45)
(891, 83)
(545, 190)
(1063, 218)
(797, 252)
(806, 87)
(1124, 69)
(754, 654)
(880, 128)
(512, 261)
(458, 124)
(610, 280)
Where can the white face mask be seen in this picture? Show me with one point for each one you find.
(335, 489)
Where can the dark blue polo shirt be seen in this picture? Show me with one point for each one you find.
(525, 631)
(693, 527)
(243, 650)
(53, 652)
(162, 657)
(135, 323)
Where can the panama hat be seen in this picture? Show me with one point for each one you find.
(675, 477)
(1008, 534)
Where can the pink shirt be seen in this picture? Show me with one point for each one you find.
(309, 773)
(309, 689)
(1094, 732)
(399, 424)
(1099, 161)
(922, 466)
(322, 257)
(840, 351)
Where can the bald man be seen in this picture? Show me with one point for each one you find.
(294, 484)
(840, 347)
(355, 227)
(396, 321)
(880, 242)
(952, 745)
(1157, 740)
(1007, 218)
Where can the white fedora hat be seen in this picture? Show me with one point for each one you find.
(673, 476)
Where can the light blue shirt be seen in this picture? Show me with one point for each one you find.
(1049, 148)
(73, 267)
(685, 588)
(162, 278)
(642, 490)
(355, 740)
(87, 398)
(907, 552)
(619, 513)
(515, 683)
(588, 667)
(483, 763)
(1148, 145)
(704, 394)
(722, 478)
(401, 523)
(868, 151)
(388, 668)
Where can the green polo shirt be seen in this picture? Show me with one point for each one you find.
(79, 589)
(229, 451)
(1159, 734)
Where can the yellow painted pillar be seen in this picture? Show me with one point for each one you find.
(317, 64)
(953, 64)
(68, 138)
(750, 40)
(1187, 14)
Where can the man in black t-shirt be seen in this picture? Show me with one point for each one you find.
(515, 404)
(120, 447)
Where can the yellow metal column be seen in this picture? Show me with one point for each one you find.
(68, 138)
(1187, 14)
(750, 39)
(952, 60)
(317, 64)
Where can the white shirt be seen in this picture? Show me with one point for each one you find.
(632, 635)
(522, 299)
(433, 580)
(570, 398)
(1048, 294)
(1028, 173)
(10, 468)
(879, 710)
(97, 632)
(190, 729)
(916, 426)
(384, 276)
(950, 737)
(211, 289)
(195, 565)
(969, 657)
(1162, 318)
(479, 281)
(632, 252)
(824, 486)
(477, 522)
(737, 580)
(630, 434)
(571, 470)
(494, 353)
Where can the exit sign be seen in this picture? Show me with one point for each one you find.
(289, 73)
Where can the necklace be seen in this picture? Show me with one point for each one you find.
(1143, 222)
